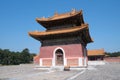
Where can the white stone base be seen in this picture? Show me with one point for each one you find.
(96, 62)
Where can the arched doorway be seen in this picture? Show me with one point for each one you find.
(59, 59)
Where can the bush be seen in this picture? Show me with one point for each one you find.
(14, 58)
(113, 54)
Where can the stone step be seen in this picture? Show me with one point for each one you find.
(56, 68)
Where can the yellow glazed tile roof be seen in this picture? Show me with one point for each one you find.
(96, 52)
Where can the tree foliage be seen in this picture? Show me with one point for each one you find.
(113, 54)
(8, 57)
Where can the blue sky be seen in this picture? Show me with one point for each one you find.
(17, 18)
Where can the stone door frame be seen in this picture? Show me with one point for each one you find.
(54, 57)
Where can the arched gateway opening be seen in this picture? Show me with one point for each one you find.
(59, 59)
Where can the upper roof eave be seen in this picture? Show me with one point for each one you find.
(59, 16)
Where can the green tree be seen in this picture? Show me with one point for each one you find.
(31, 56)
(25, 56)
(14, 58)
(113, 54)
(5, 57)
(1, 56)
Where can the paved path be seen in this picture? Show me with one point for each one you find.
(27, 72)
(103, 72)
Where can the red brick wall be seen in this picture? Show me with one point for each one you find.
(112, 59)
(72, 62)
(73, 50)
(36, 59)
(47, 62)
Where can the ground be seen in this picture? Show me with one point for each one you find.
(109, 71)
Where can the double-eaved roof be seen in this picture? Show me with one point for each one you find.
(73, 18)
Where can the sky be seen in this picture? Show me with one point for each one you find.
(17, 18)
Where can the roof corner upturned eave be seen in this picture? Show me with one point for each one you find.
(88, 36)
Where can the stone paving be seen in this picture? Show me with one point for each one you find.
(104, 72)
(27, 72)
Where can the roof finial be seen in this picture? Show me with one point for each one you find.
(73, 11)
(56, 13)
(43, 18)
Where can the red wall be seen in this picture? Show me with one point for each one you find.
(112, 59)
(73, 50)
